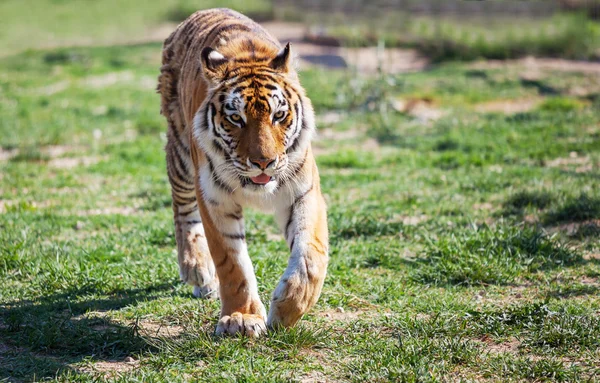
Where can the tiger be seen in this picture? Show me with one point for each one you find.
(239, 135)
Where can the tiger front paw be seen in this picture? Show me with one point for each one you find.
(292, 298)
(250, 325)
(202, 278)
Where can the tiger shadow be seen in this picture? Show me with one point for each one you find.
(45, 337)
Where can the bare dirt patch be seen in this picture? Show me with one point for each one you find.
(535, 64)
(45, 152)
(157, 329)
(422, 109)
(110, 368)
(315, 377)
(7, 154)
(410, 220)
(73, 162)
(582, 164)
(510, 347)
(341, 315)
(517, 293)
(590, 256)
(572, 228)
(508, 106)
(483, 206)
(308, 47)
(355, 137)
(128, 210)
(329, 118)
(363, 60)
(338, 135)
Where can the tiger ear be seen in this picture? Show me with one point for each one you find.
(281, 62)
(214, 64)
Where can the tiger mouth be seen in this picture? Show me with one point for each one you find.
(261, 179)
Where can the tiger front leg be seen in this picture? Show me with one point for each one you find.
(306, 234)
(242, 311)
(196, 267)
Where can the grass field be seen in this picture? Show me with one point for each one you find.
(464, 211)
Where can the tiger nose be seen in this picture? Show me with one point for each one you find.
(264, 163)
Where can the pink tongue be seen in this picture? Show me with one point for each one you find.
(261, 179)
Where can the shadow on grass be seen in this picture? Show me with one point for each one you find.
(573, 291)
(494, 256)
(364, 226)
(542, 88)
(575, 209)
(482, 256)
(519, 201)
(41, 338)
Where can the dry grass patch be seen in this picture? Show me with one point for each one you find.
(511, 346)
(508, 106)
(109, 369)
(158, 329)
(74, 162)
(582, 164)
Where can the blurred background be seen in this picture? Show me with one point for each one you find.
(438, 30)
(459, 152)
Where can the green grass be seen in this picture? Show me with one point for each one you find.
(452, 252)
(447, 38)
(48, 23)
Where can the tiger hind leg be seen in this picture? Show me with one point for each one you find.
(196, 266)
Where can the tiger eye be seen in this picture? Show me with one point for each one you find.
(279, 115)
(235, 117)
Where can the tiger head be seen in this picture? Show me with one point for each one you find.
(256, 122)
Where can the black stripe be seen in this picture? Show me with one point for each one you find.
(212, 202)
(227, 141)
(242, 285)
(296, 142)
(253, 59)
(295, 171)
(258, 73)
(183, 167)
(217, 265)
(213, 111)
(178, 142)
(221, 185)
(218, 147)
(234, 27)
(186, 200)
(216, 180)
(234, 216)
(217, 24)
(292, 208)
(298, 117)
(256, 76)
(234, 236)
(265, 101)
(245, 181)
(194, 208)
(182, 177)
(175, 185)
